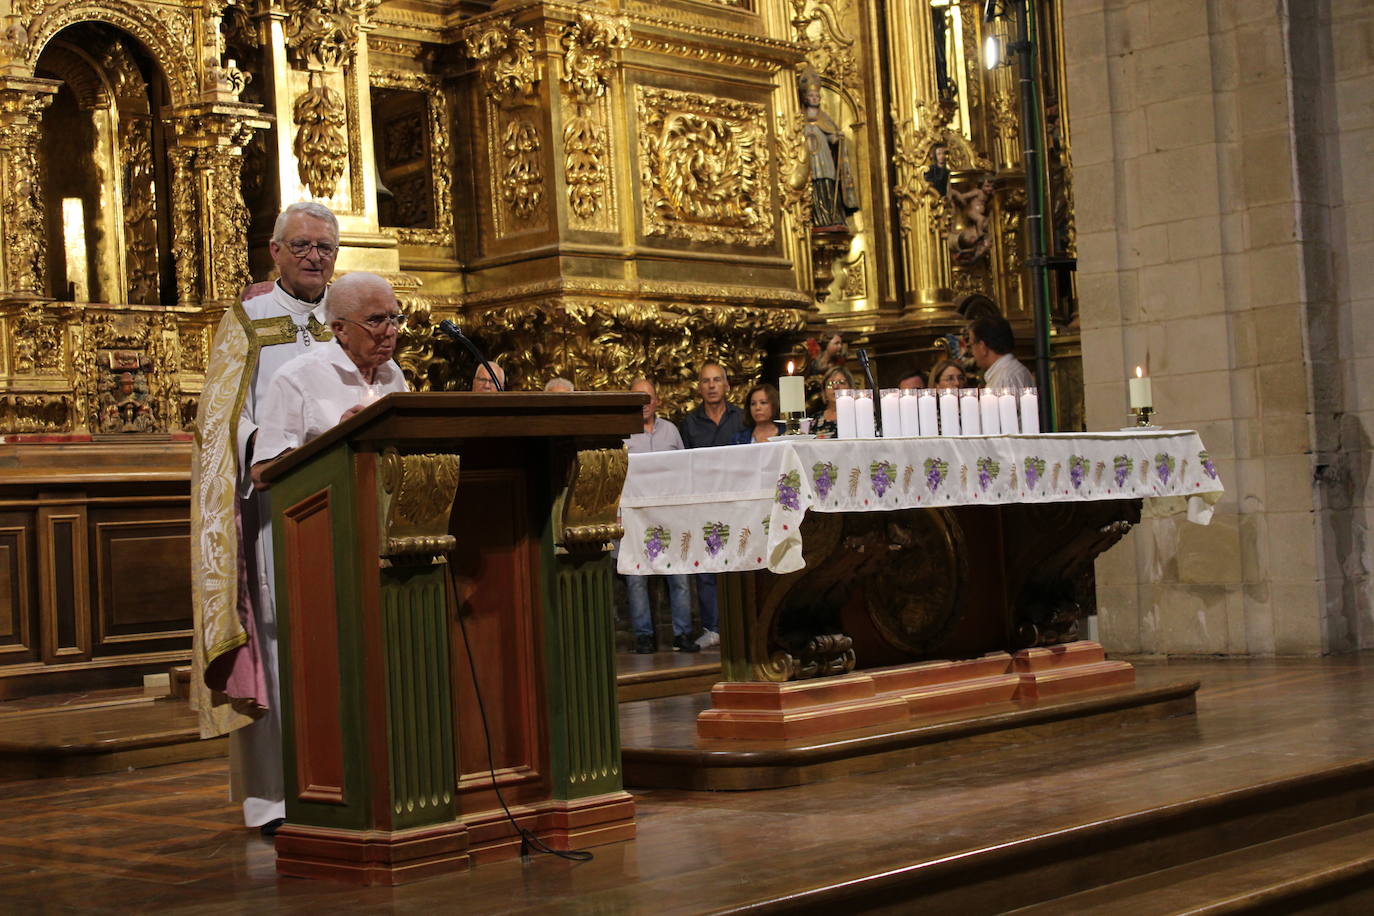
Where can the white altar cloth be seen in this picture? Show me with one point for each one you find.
(740, 507)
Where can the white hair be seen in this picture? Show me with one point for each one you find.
(347, 292)
(309, 208)
(559, 384)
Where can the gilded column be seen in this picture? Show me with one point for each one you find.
(22, 101)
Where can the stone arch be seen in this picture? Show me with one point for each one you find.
(158, 33)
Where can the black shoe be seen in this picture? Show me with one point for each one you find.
(645, 645)
(685, 644)
(269, 829)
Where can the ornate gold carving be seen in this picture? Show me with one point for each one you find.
(855, 285)
(140, 211)
(37, 341)
(505, 61)
(794, 174)
(185, 234)
(589, 44)
(704, 167)
(25, 240)
(321, 149)
(592, 500)
(415, 494)
(440, 154)
(606, 345)
(322, 34)
(522, 179)
(36, 413)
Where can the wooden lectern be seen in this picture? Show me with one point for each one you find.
(423, 508)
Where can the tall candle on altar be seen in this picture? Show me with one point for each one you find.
(844, 413)
(892, 413)
(1006, 407)
(909, 408)
(863, 414)
(1030, 412)
(791, 394)
(990, 415)
(968, 412)
(926, 411)
(1141, 395)
(949, 412)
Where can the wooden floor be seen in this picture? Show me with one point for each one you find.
(166, 839)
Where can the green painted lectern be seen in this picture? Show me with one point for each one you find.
(429, 528)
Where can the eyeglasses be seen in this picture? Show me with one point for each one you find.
(301, 247)
(378, 324)
(838, 382)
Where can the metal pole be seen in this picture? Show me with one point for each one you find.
(1035, 213)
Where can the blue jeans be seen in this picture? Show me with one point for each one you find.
(706, 601)
(641, 616)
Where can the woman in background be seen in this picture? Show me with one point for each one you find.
(823, 423)
(948, 374)
(761, 404)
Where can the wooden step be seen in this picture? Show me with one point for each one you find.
(1290, 874)
(1214, 847)
(97, 733)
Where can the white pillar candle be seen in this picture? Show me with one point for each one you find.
(892, 413)
(791, 394)
(990, 417)
(968, 412)
(949, 413)
(863, 414)
(909, 408)
(844, 413)
(1030, 412)
(927, 405)
(1141, 395)
(1006, 407)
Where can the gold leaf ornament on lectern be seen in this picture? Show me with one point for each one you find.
(593, 498)
(415, 495)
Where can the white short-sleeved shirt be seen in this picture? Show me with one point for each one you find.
(308, 395)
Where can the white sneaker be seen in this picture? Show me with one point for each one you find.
(709, 640)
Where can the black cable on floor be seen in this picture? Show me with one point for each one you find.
(528, 840)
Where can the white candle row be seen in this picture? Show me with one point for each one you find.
(938, 412)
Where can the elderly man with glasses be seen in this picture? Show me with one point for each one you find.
(332, 382)
(234, 681)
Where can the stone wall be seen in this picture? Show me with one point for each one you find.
(1222, 152)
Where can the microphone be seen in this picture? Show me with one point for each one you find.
(873, 387)
(453, 331)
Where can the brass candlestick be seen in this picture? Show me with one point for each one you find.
(1142, 415)
(792, 420)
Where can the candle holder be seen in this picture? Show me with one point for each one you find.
(792, 420)
(1142, 415)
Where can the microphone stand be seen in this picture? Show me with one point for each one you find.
(873, 389)
(453, 331)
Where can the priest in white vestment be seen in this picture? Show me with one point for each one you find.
(234, 681)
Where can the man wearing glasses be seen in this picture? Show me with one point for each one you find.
(234, 678)
(330, 383)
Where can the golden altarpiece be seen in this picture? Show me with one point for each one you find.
(596, 190)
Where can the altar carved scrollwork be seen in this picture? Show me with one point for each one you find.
(505, 61)
(509, 76)
(320, 146)
(705, 168)
(589, 44)
(415, 495)
(592, 501)
(321, 34)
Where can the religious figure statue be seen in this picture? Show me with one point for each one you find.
(969, 239)
(835, 193)
(937, 176)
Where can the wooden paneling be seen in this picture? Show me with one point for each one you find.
(314, 633)
(142, 575)
(16, 589)
(64, 578)
(498, 601)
